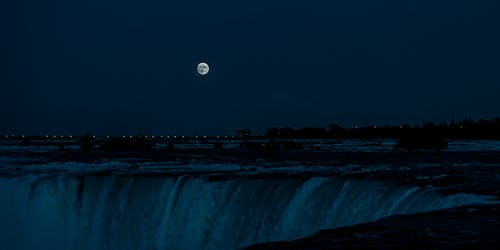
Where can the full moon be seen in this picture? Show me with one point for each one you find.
(202, 68)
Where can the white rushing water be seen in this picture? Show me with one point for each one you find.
(141, 212)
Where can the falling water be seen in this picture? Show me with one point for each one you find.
(147, 212)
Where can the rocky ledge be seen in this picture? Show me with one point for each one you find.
(467, 227)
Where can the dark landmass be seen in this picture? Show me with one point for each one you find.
(463, 129)
(467, 227)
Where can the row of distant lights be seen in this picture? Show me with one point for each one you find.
(168, 137)
(175, 137)
(152, 137)
(47, 136)
(374, 126)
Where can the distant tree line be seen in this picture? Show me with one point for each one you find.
(463, 129)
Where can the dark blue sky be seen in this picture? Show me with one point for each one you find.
(128, 67)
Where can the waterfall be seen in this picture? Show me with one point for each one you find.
(188, 212)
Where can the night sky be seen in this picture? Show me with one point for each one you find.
(129, 67)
